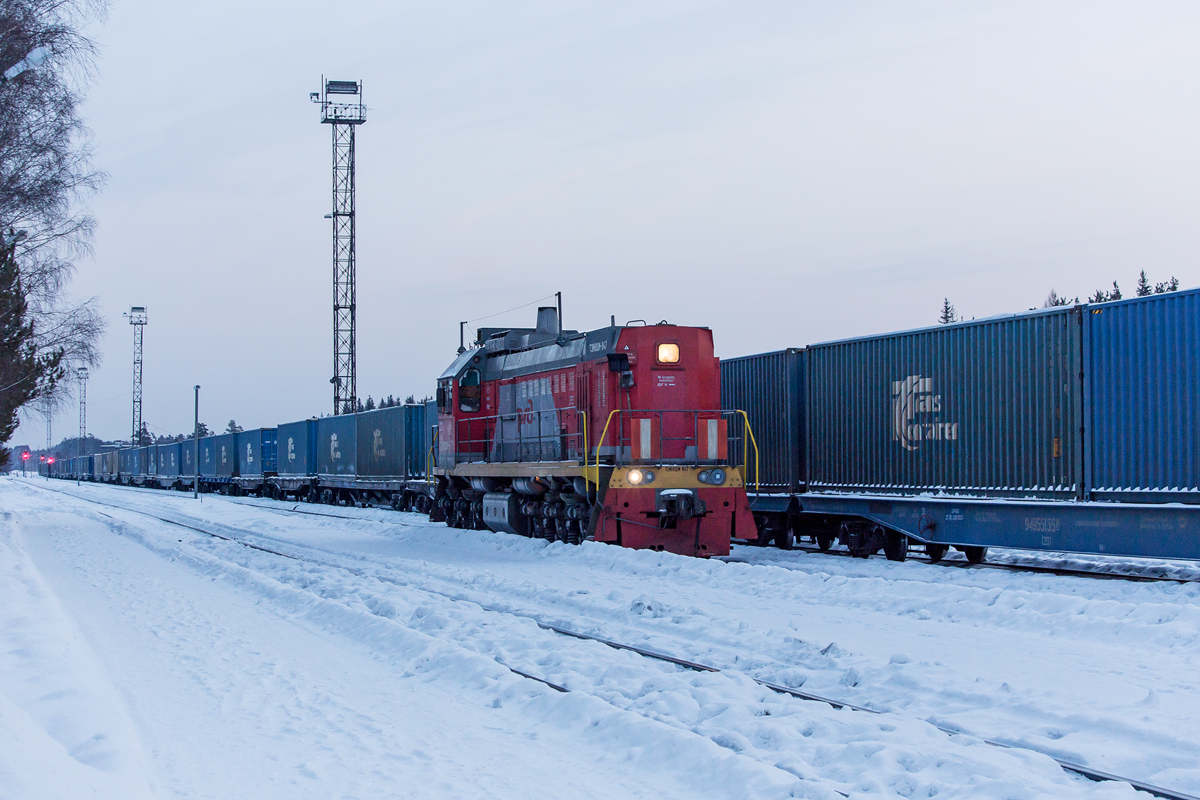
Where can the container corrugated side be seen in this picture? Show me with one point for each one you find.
(208, 456)
(146, 459)
(383, 443)
(986, 408)
(1143, 382)
(187, 457)
(297, 448)
(225, 454)
(337, 445)
(257, 452)
(270, 450)
(168, 460)
(769, 387)
(416, 436)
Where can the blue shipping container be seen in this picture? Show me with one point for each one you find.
(1143, 386)
(297, 448)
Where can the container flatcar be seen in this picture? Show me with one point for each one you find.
(1066, 429)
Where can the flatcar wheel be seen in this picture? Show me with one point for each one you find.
(895, 546)
(824, 541)
(935, 552)
(975, 555)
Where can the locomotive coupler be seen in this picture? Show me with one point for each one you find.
(679, 503)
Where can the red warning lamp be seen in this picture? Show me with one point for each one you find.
(51, 459)
(25, 455)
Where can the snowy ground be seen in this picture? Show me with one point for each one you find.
(143, 659)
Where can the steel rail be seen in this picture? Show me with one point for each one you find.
(1078, 769)
(1062, 571)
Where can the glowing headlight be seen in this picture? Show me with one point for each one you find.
(634, 476)
(668, 353)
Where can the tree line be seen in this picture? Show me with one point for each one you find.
(1144, 288)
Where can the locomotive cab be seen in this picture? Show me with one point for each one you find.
(614, 434)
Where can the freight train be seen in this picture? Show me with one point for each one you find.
(614, 435)
(1067, 429)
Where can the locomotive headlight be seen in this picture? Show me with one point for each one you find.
(716, 476)
(634, 476)
(648, 476)
(668, 353)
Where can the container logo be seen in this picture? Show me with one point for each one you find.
(377, 444)
(333, 447)
(224, 459)
(912, 400)
(291, 449)
(249, 453)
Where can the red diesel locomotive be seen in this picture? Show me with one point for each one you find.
(615, 434)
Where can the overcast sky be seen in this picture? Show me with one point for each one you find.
(783, 173)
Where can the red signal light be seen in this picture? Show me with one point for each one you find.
(51, 459)
(24, 455)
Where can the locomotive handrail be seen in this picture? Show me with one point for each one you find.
(746, 454)
(600, 443)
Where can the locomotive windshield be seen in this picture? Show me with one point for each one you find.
(469, 391)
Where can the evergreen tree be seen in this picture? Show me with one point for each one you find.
(948, 315)
(1169, 286)
(409, 400)
(370, 404)
(391, 401)
(1054, 301)
(204, 430)
(25, 374)
(1102, 296)
(1143, 285)
(233, 427)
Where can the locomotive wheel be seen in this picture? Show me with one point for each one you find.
(327, 497)
(935, 552)
(895, 546)
(825, 541)
(975, 555)
(785, 538)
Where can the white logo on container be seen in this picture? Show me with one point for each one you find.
(910, 397)
(333, 447)
(291, 449)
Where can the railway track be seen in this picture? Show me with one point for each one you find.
(1032, 568)
(279, 506)
(647, 653)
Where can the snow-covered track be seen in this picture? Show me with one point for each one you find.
(224, 532)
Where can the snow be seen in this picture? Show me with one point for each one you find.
(143, 659)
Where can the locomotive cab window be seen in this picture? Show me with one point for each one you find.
(469, 391)
(668, 353)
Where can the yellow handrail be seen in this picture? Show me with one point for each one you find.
(746, 453)
(603, 433)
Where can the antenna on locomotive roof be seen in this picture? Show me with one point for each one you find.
(462, 346)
